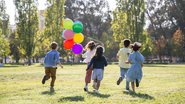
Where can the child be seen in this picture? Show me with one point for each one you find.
(123, 54)
(135, 71)
(50, 62)
(98, 62)
(90, 51)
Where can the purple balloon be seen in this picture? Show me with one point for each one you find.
(68, 34)
(77, 49)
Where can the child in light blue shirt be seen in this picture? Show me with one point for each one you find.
(136, 59)
(50, 63)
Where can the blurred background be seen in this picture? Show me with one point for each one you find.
(27, 27)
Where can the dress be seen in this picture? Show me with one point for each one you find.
(135, 71)
(88, 55)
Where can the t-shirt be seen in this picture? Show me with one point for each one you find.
(123, 54)
(98, 63)
(88, 55)
(52, 58)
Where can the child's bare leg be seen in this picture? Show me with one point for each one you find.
(98, 85)
(133, 86)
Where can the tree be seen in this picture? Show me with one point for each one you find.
(15, 47)
(166, 17)
(4, 34)
(4, 46)
(96, 18)
(54, 16)
(27, 26)
(129, 19)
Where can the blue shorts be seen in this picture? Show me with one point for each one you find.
(123, 72)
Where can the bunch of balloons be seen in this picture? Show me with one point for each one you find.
(73, 36)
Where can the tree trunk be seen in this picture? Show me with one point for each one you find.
(5, 60)
(17, 60)
(33, 59)
(37, 59)
(29, 61)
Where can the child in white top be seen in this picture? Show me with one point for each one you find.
(90, 51)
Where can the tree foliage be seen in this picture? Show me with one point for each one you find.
(96, 18)
(27, 26)
(54, 15)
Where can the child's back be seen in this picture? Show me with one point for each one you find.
(123, 56)
(51, 58)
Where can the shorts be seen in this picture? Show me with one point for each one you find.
(97, 74)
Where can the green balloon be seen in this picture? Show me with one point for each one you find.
(77, 27)
(68, 24)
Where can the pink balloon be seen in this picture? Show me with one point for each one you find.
(68, 34)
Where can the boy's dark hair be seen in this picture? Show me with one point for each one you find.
(54, 45)
(126, 42)
(99, 52)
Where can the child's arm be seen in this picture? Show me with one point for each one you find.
(91, 63)
(58, 60)
(60, 65)
(117, 56)
(105, 61)
(127, 62)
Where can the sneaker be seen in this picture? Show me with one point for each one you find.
(119, 81)
(52, 89)
(86, 89)
(137, 83)
(127, 89)
(96, 91)
(94, 85)
(44, 80)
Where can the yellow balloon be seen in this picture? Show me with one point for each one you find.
(78, 38)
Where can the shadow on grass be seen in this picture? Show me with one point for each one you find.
(99, 95)
(48, 92)
(140, 95)
(9, 66)
(152, 65)
(72, 98)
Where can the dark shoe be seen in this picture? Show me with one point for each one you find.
(127, 89)
(85, 89)
(137, 83)
(44, 80)
(119, 81)
(52, 89)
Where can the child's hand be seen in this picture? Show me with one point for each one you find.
(127, 62)
(141, 65)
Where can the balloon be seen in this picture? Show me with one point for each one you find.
(67, 23)
(68, 34)
(77, 49)
(78, 38)
(68, 44)
(77, 27)
(63, 34)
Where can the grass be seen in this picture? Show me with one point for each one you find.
(161, 84)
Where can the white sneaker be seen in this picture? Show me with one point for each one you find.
(96, 91)
(94, 85)
(52, 89)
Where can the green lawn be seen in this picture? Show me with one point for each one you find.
(161, 84)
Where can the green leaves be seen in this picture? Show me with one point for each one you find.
(27, 26)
